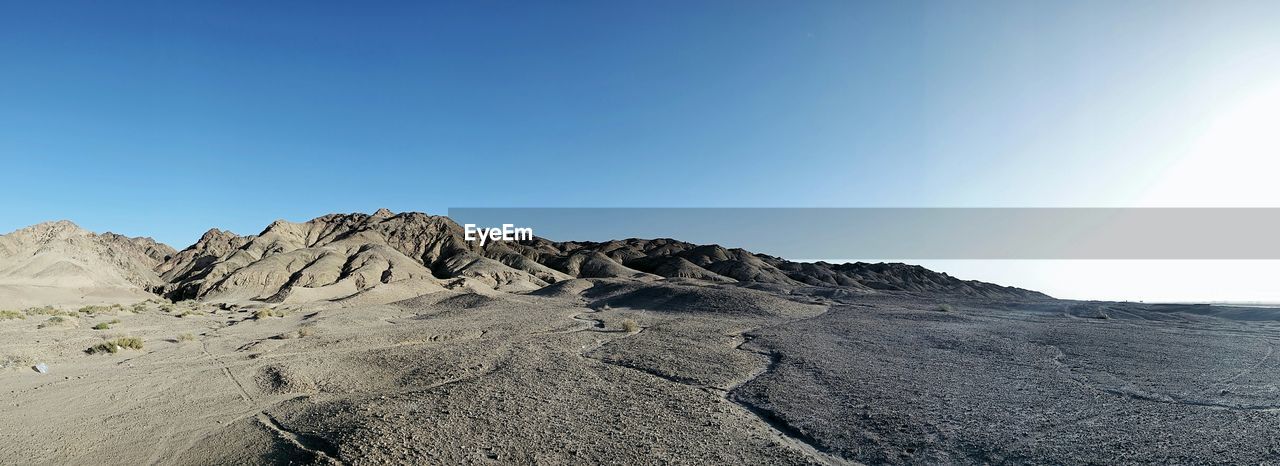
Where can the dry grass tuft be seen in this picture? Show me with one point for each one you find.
(16, 361)
(8, 315)
(93, 310)
(59, 321)
(44, 311)
(630, 326)
(102, 326)
(114, 346)
(187, 337)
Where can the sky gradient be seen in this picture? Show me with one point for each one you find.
(169, 118)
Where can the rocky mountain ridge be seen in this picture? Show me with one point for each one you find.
(387, 256)
(358, 252)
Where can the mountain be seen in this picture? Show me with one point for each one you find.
(387, 256)
(59, 262)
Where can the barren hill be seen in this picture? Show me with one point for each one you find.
(61, 263)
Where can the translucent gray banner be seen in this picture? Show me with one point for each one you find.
(921, 233)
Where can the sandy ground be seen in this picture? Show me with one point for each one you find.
(635, 375)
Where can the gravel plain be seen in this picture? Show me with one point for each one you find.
(615, 372)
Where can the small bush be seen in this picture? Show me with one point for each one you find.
(187, 337)
(114, 346)
(47, 310)
(166, 308)
(15, 361)
(7, 315)
(630, 326)
(95, 310)
(57, 321)
(305, 332)
(945, 308)
(102, 326)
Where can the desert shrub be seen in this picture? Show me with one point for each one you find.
(630, 326)
(139, 308)
(166, 308)
(945, 308)
(102, 326)
(187, 337)
(15, 361)
(45, 311)
(7, 315)
(305, 332)
(114, 346)
(95, 310)
(57, 321)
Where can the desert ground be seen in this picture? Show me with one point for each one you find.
(389, 338)
(591, 371)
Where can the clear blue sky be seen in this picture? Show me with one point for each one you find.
(167, 118)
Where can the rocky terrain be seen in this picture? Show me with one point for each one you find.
(385, 338)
